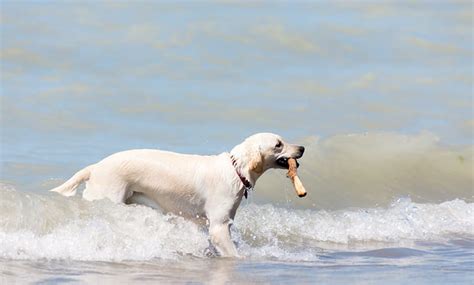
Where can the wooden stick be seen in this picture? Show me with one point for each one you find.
(292, 174)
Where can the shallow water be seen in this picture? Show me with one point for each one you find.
(380, 94)
(57, 239)
(443, 264)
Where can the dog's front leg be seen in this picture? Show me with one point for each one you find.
(220, 238)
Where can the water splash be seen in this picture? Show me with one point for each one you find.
(39, 226)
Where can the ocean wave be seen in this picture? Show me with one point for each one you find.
(374, 169)
(341, 171)
(53, 227)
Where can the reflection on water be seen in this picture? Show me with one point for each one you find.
(433, 263)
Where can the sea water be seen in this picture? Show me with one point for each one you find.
(48, 238)
(380, 94)
(422, 235)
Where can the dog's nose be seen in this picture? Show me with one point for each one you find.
(301, 149)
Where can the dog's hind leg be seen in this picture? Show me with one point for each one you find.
(117, 191)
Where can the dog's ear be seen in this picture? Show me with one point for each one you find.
(256, 162)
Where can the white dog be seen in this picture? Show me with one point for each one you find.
(207, 187)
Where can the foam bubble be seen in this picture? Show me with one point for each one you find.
(403, 220)
(54, 227)
(57, 227)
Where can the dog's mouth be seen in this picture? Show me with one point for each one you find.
(283, 162)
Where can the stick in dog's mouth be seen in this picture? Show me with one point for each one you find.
(299, 188)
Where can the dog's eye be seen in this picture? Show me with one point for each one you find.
(279, 144)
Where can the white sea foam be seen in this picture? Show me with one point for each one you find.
(33, 227)
(53, 227)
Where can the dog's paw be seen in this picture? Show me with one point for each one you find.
(211, 252)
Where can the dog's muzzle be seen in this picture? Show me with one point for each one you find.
(283, 161)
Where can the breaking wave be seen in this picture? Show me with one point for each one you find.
(374, 169)
(54, 227)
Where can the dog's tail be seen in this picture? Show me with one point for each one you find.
(69, 187)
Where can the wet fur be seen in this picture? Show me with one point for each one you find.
(194, 186)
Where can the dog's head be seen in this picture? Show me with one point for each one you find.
(263, 151)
